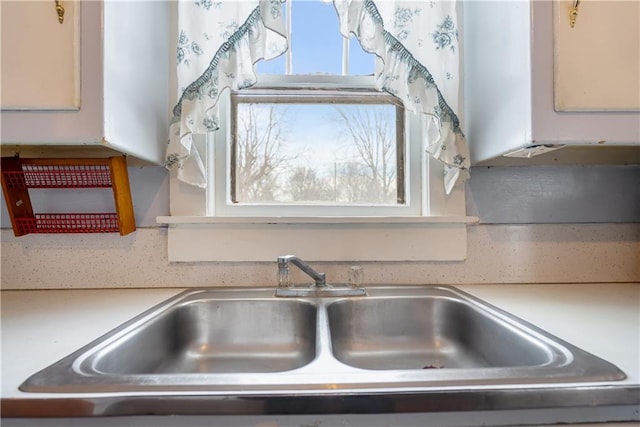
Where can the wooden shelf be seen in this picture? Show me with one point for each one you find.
(19, 175)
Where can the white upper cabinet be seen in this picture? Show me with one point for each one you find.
(98, 79)
(530, 79)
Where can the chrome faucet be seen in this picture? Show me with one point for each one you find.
(319, 289)
(283, 271)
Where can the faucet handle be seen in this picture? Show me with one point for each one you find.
(284, 279)
(356, 276)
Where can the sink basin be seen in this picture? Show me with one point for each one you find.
(215, 336)
(226, 341)
(430, 333)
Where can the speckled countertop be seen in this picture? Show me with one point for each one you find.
(40, 327)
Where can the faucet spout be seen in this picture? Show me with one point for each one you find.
(283, 270)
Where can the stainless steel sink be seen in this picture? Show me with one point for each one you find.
(432, 332)
(247, 341)
(214, 336)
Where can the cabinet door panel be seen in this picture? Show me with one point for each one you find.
(597, 62)
(40, 69)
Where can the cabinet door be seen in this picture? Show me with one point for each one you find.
(83, 125)
(40, 69)
(597, 61)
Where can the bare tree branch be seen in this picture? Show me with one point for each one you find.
(370, 131)
(259, 152)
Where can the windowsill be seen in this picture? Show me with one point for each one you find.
(263, 239)
(318, 220)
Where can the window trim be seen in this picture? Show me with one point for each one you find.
(205, 239)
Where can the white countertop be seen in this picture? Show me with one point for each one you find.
(40, 327)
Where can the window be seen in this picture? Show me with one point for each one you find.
(313, 158)
(314, 137)
(315, 153)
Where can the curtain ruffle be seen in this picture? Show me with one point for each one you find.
(237, 48)
(405, 75)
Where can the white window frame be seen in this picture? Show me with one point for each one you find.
(219, 143)
(198, 231)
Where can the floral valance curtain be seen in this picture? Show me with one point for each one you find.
(219, 41)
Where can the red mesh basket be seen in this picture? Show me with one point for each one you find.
(69, 223)
(59, 176)
(20, 175)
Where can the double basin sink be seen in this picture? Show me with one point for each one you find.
(249, 341)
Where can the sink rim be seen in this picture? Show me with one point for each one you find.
(324, 374)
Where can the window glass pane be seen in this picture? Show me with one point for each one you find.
(361, 63)
(341, 154)
(316, 41)
(316, 44)
(273, 66)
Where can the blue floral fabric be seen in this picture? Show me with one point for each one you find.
(418, 44)
(218, 43)
(417, 41)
